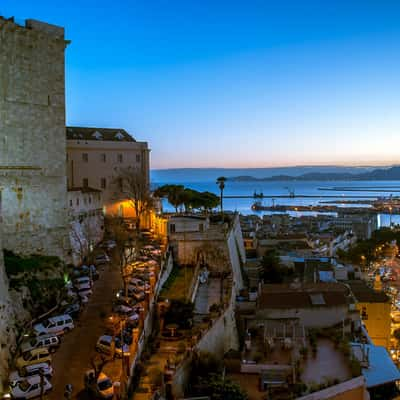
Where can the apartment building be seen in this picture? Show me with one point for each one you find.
(94, 156)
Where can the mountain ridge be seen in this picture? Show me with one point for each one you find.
(379, 174)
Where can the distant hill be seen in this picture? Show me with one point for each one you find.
(188, 175)
(380, 174)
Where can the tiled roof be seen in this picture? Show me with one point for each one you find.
(106, 134)
(283, 296)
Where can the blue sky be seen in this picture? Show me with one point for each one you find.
(235, 83)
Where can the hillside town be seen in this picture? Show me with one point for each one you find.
(112, 288)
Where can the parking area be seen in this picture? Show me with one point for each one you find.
(73, 358)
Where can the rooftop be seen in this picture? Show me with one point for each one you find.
(365, 294)
(381, 369)
(303, 295)
(100, 134)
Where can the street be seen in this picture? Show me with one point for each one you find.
(78, 346)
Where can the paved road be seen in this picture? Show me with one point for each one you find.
(73, 358)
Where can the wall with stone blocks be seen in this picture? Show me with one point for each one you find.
(32, 138)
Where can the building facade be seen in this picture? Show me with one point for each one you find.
(87, 221)
(33, 184)
(94, 156)
(374, 307)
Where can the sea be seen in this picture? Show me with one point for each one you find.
(340, 190)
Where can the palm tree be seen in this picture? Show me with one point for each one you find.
(221, 184)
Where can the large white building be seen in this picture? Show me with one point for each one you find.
(94, 156)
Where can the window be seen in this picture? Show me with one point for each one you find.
(85, 157)
(103, 157)
(120, 184)
(77, 201)
(364, 314)
(120, 158)
(85, 182)
(90, 199)
(138, 158)
(103, 183)
(201, 227)
(172, 228)
(70, 203)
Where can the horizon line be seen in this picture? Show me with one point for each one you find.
(283, 166)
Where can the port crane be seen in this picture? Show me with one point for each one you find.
(291, 191)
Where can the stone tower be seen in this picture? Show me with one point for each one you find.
(33, 183)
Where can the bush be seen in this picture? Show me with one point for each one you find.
(16, 264)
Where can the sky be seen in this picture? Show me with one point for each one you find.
(235, 83)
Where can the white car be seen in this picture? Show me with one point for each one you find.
(58, 324)
(84, 290)
(52, 342)
(83, 280)
(31, 387)
(112, 346)
(30, 370)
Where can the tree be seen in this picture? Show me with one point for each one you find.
(180, 312)
(173, 193)
(178, 196)
(222, 388)
(132, 186)
(221, 184)
(272, 272)
(85, 233)
(209, 201)
(126, 244)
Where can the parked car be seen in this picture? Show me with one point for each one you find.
(136, 293)
(84, 290)
(34, 356)
(113, 347)
(140, 284)
(51, 342)
(31, 387)
(30, 370)
(102, 387)
(73, 310)
(58, 324)
(122, 309)
(102, 259)
(83, 280)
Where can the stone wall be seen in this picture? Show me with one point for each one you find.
(7, 318)
(32, 138)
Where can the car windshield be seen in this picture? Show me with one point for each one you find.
(105, 384)
(33, 342)
(24, 385)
